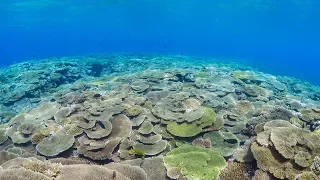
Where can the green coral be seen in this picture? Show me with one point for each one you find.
(133, 111)
(243, 75)
(308, 176)
(195, 162)
(202, 74)
(184, 129)
(296, 122)
(137, 151)
(192, 129)
(209, 117)
(148, 105)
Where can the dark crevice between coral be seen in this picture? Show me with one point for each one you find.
(97, 69)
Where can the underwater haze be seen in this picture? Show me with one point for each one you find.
(276, 36)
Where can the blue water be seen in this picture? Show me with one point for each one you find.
(275, 36)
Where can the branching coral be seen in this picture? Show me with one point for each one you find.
(236, 170)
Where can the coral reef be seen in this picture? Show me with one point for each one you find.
(140, 117)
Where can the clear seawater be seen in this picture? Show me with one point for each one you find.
(276, 36)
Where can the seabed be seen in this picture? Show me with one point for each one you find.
(140, 117)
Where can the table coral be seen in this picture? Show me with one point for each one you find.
(288, 153)
(195, 162)
(54, 145)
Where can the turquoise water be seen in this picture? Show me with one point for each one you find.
(159, 90)
(279, 37)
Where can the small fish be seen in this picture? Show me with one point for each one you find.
(137, 151)
(297, 122)
(101, 124)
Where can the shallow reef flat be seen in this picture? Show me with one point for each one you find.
(151, 117)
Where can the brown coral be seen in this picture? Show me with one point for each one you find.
(236, 170)
(202, 142)
(288, 153)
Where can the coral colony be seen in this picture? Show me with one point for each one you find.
(119, 116)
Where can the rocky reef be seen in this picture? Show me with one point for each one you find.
(147, 117)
